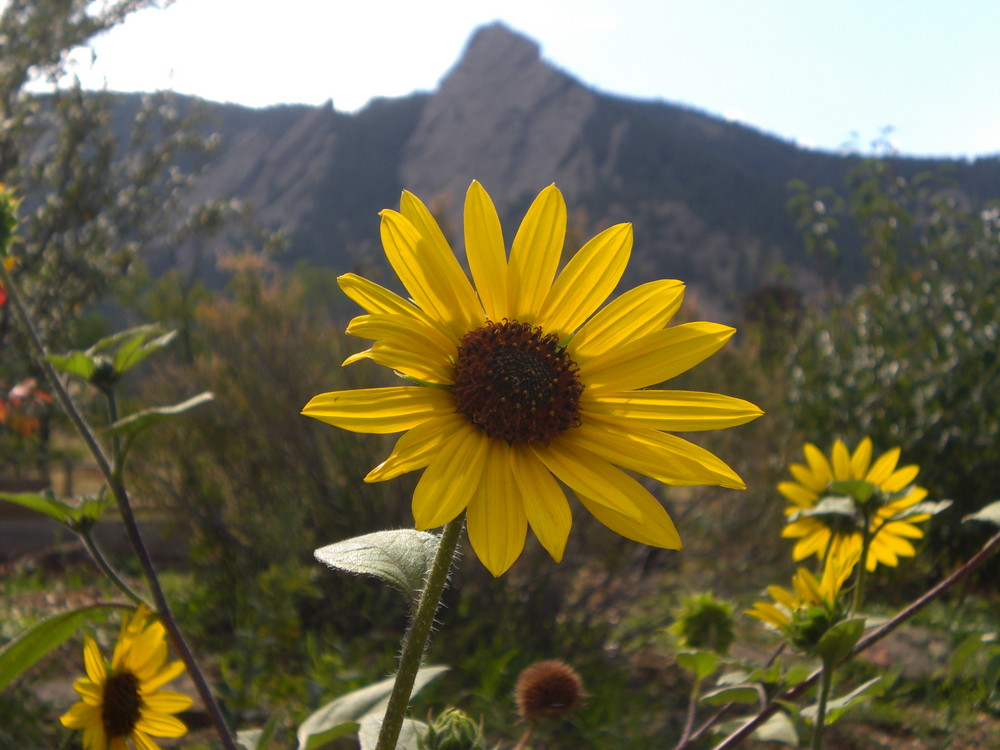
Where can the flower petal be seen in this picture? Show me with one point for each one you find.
(81, 715)
(808, 479)
(165, 675)
(485, 251)
(841, 461)
(417, 447)
(408, 359)
(141, 740)
(818, 464)
(634, 314)
(535, 254)
(861, 459)
(93, 662)
(95, 738)
(495, 519)
(655, 357)
(380, 410)
(900, 478)
(586, 281)
(167, 701)
(89, 691)
(665, 457)
(160, 724)
(671, 411)
(465, 296)
(654, 528)
(545, 502)
(399, 330)
(450, 479)
(591, 475)
(427, 274)
(883, 467)
(796, 493)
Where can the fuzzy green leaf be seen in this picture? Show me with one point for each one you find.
(45, 504)
(136, 349)
(134, 423)
(699, 663)
(400, 558)
(25, 650)
(839, 706)
(258, 739)
(777, 728)
(343, 715)
(746, 694)
(75, 363)
(838, 641)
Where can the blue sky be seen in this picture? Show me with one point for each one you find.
(820, 74)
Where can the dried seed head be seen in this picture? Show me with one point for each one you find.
(548, 690)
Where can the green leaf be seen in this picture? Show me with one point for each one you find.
(930, 508)
(75, 363)
(400, 558)
(856, 489)
(991, 675)
(746, 694)
(409, 733)
(962, 653)
(45, 504)
(989, 514)
(34, 643)
(110, 342)
(258, 739)
(838, 641)
(134, 423)
(343, 715)
(136, 349)
(699, 663)
(838, 707)
(777, 728)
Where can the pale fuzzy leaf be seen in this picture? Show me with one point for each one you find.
(989, 514)
(409, 733)
(837, 707)
(343, 715)
(778, 728)
(746, 694)
(400, 558)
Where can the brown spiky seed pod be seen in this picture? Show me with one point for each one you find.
(548, 690)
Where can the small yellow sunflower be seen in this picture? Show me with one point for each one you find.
(891, 538)
(521, 381)
(121, 700)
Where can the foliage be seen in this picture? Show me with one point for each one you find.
(910, 357)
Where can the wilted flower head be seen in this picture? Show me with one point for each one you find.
(548, 690)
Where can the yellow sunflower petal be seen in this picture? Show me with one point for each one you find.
(654, 528)
(428, 275)
(400, 330)
(95, 738)
(591, 475)
(535, 254)
(163, 676)
(805, 476)
(417, 447)
(408, 359)
(903, 529)
(880, 552)
(89, 691)
(818, 464)
(380, 410)
(897, 544)
(634, 314)
(586, 281)
(167, 701)
(464, 295)
(495, 519)
(671, 411)
(149, 651)
(796, 493)
(160, 724)
(547, 510)
(883, 467)
(485, 251)
(451, 478)
(813, 544)
(81, 715)
(93, 662)
(783, 597)
(141, 740)
(841, 461)
(901, 478)
(377, 299)
(769, 614)
(861, 459)
(665, 457)
(655, 357)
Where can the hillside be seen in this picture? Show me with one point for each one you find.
(707, 197)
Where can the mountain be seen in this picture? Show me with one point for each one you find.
(707, 197)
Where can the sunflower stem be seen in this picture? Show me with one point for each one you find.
(417, 633)
(102, 563)
(866, 543)
(825, 680)
(113, 476)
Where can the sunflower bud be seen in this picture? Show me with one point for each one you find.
(548, 690)
(452, 730)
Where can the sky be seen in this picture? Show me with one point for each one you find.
(824, 75)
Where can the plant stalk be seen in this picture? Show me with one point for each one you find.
(417, 633)
(826, 679)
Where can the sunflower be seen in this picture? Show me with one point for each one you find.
(521, 381)
(815, 534)
(121, 700)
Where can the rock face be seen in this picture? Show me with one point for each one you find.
(707, 197)
(505, 118)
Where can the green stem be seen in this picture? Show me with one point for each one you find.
(113, 478)
(417, 633)
(825, 680)
(859, 586)
(102, 563)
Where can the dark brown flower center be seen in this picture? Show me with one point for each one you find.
(516, 383)
(122, 704)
